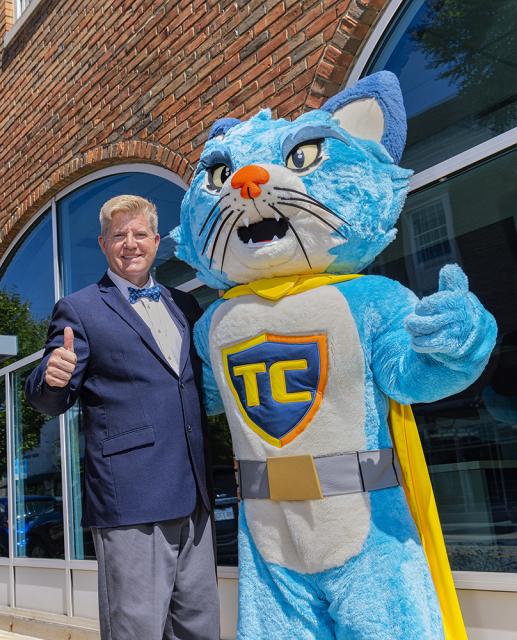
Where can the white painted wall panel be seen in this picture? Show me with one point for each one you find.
(84, 594)
(228, 600)
(4, 585)
(40, 589)
(489, 615)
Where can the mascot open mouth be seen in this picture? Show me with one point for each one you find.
(266, 230)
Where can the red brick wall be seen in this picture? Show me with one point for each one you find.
(90, 82)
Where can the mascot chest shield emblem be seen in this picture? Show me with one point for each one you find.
(277, 382)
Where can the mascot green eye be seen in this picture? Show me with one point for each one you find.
(218, 175)
(304, 155)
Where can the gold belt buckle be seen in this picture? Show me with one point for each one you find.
(293, 478)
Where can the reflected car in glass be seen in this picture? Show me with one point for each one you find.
(226, 513)
(39, 529)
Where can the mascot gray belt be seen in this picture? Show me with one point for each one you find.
(338, 532)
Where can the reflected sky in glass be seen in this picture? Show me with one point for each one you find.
(457, 64)
(29, 273)
(78, 213)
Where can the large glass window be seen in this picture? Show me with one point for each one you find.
(27, 289)
(456, 61)
(37, 477)
(78, 214)
(470, 439)
(26, 300)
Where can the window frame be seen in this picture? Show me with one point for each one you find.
(19, 18)
(470, 580)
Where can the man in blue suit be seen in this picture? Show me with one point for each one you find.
(124, 348)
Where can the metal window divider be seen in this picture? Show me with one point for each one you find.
(69, 601)
(63, 439)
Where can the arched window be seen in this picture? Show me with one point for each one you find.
(456, 61)
(41, 458)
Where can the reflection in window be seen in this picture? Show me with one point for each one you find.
(27, 289)
(82, 541)
(37, 477)
(225, 487)
(4, 531)
(470, 439)
(205, 296)
(78, 213)
(455, 60)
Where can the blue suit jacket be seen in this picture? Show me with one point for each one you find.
(144, 425)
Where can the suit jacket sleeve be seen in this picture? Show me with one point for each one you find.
(51, 400)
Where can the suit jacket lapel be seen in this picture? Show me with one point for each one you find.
(115, 300)
(181, 323)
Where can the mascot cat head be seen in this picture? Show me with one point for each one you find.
(320, 194)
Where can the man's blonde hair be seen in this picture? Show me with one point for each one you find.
(128, 204)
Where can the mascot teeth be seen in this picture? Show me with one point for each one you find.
(264, 231)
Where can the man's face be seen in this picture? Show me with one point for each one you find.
(130, 246)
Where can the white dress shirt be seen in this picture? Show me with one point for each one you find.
(156, 316)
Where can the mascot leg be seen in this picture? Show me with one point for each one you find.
(384, 593)
(387, 591)
(276, 603)
(385, 596)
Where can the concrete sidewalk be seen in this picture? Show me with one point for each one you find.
(5, 635)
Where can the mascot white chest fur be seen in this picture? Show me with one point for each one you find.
(306, 359)
(301, 535)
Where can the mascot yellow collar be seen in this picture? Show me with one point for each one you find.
(277, 288)
(406, 442)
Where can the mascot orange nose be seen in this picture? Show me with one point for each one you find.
(248, 179)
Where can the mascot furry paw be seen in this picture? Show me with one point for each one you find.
(314, 366)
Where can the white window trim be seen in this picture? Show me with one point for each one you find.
(475, 580)
(189, 286)
(20, 21)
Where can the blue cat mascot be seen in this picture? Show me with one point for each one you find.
(303, 356)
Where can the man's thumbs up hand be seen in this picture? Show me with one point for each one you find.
(62, 362)
(68, 339)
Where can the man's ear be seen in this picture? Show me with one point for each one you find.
(101, 243)
(373, 109)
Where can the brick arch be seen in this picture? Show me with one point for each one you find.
(82, 164)
(340, 53)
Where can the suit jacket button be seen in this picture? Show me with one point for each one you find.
(189, 428)
(182, 386)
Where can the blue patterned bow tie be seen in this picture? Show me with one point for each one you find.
(153, 293)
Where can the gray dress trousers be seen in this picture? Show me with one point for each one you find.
(158, 581)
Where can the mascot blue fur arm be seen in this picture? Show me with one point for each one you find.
(303, 357)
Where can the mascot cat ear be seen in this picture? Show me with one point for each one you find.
(221, 126)
(373, 109)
